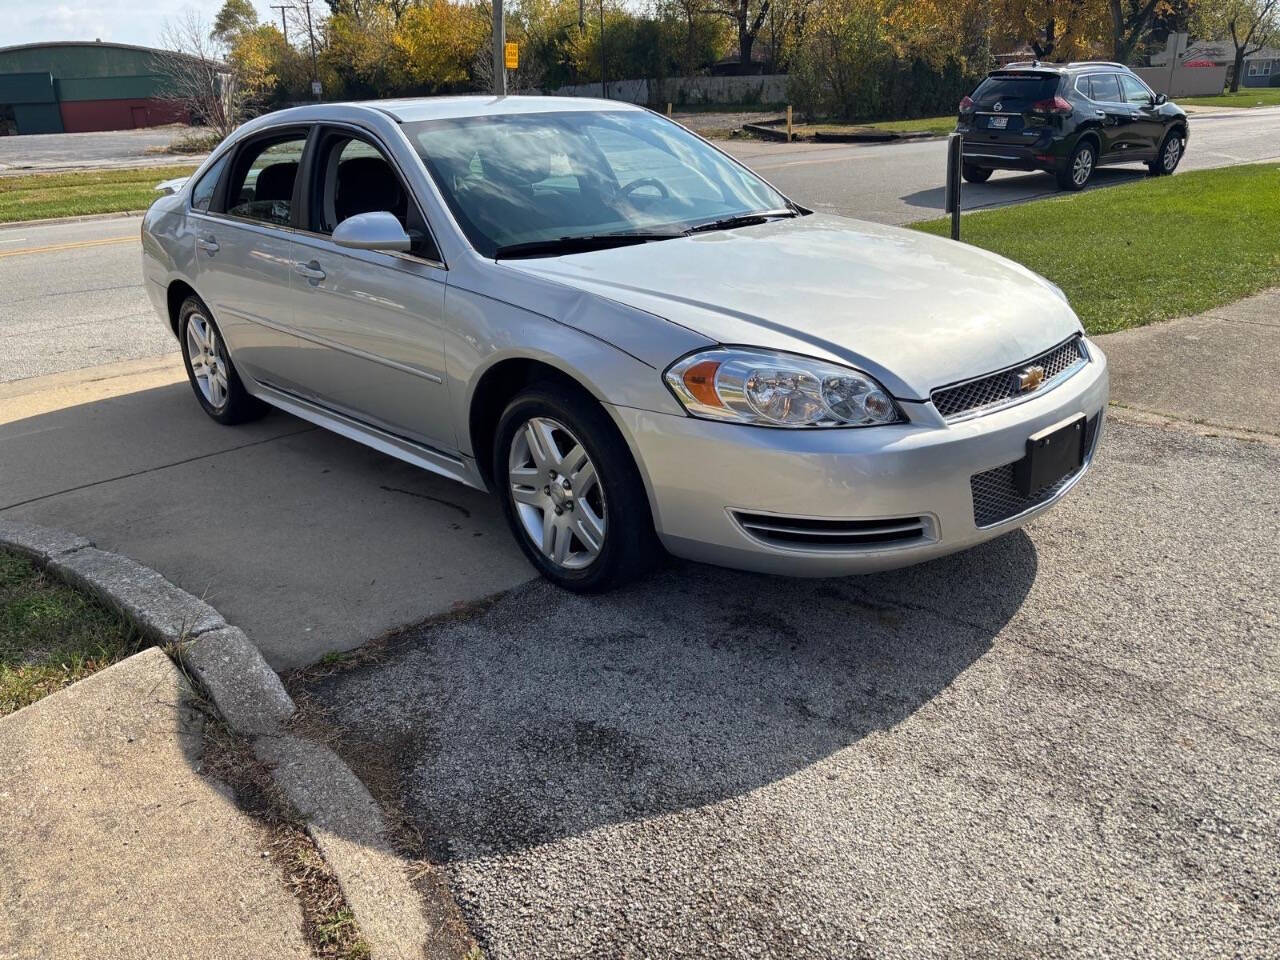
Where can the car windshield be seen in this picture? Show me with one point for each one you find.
(565, 182)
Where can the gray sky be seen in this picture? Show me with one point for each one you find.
(124, 21)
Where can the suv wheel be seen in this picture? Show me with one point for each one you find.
(1079, 169)
(1170, 155)
(977, 174)
(571, 492)
(209, 368)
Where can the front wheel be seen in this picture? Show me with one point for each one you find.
(571, 492)
(1079, 167)
(1170, 155)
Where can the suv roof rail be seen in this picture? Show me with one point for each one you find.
(1097, 63)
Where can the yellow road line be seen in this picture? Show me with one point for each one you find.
(55, 247)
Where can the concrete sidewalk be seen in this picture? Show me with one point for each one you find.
(1216, 369)
(113, 845)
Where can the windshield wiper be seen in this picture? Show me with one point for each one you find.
(584, 244)
(743, 220)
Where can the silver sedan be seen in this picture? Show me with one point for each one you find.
(629, 337)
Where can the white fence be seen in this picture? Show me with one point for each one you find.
(768, 89)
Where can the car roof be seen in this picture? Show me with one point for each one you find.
(1059, 69)
(412, 109)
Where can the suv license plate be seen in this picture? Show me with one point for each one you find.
(997, 123)
(1051, 454)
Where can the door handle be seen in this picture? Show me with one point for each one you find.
(311, 271)
(208, 243)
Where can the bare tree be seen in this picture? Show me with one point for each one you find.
(197, 79)
(1250, 25)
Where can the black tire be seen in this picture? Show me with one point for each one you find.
(976, 174)
(630, 548)
(1168, 156)
(229, 404)
(1069, 178)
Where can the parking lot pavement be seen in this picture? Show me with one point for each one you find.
(38, 153)
(1063, 743)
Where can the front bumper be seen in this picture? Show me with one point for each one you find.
(702, 474)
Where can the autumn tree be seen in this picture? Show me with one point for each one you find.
(234, 18)
(1249, 24)
(748, 16)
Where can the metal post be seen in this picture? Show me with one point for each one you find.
(790, 133)
(955, 163)
(315, 75)
(604, 88)
(499, 54)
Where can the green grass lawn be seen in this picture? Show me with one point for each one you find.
(1145, 251)
(40, 195)
(1245, 97)
(51, 635)
(934, 125)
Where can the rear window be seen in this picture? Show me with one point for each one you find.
(1014, 90)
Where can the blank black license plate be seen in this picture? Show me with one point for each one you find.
(1052, 454)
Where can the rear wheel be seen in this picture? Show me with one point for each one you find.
(571, 492)
(213, 376)
(1170, 155)
(1080, 166)
(977, 174)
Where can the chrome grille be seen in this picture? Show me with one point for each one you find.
(842, 535)
(996, 497)
(974, 396)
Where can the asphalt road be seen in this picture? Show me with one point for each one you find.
(898, 183)
(1064, 743)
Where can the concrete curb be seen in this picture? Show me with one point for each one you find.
(341, 815)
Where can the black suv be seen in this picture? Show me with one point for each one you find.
(1068, 119)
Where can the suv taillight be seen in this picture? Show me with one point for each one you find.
(1057, 106)
(966, 105)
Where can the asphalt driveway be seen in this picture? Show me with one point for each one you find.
(1063, 743)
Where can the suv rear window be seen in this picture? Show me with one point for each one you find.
(1016, 93)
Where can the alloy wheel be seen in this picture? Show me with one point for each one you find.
(557, 493)
(1082, 168)
(1172, 152)
(208, 365)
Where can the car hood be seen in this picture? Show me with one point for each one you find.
(914, 310)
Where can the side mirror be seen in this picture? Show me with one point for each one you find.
(372, 231)
(1161, 98)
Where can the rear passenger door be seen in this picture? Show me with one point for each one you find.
(372, 320)
(244, 252)
(1114, 114)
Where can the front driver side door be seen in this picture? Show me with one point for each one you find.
(371, 321)
(1149, 129)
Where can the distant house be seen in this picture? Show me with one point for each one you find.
(1262, 69)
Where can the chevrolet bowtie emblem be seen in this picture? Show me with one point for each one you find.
(1030, 378)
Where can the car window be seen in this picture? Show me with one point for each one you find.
(202, 192)
(1015, 94)
(1134, 90)
(1106, 88)
(261, 186)
(354, 178)
(530, 177)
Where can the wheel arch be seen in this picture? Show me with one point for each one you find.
(1093, 136)
(176, 295)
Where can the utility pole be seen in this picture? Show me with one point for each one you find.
(315, 76)
(604, 88)
(284, 23)
(499, 53)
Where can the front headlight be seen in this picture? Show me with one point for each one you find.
(778, 390)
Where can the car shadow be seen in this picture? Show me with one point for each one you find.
(1004, 189)
(551, 714)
